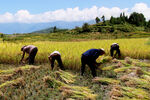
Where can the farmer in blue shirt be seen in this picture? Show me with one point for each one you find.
(115, 47)
(89, 57)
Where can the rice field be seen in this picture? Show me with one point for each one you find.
(71, 51)
(124, 79)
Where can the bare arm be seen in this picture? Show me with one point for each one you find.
(27, 58)
(22, 56)
(49, 58)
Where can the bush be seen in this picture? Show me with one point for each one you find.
(104, 29)
(147, 29)
(78, 29)
(1, 35)
(86, 27)
(125, 28)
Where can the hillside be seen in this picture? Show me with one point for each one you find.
(50, 30)
(101, 30)
(47, 30)
(73, 35)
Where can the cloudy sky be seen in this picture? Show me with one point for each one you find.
(39, 11)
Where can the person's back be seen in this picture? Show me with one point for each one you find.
(115, 47)
(55, 52)
(55, 56)
(92, 53)
(28, 48)
(89, 57)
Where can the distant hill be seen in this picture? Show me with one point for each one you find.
(10, 28)
(48, 30)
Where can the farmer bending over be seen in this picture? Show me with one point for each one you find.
(89, 57)
(31, 50)
(115, 47)
(56, 56)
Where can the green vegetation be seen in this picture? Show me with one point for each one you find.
(50, 30)
(70, 36)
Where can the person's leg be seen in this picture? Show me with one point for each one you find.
(30, 59)
(52, 62)
(60, 62)
(83, 63)
(32, 56)
(118, 51)
(111, 52)
(93, 69)
(115, 54)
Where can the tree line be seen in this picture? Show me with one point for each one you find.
(123, 23)
(135, 18)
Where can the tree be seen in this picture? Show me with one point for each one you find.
(103, 19)
(54, 30)
(148, 24)
(97, 20)
(137, 19)
(119, 20)
(86, 27)
(78, 29)
(122, 18)
(112, 20)
(1, 35)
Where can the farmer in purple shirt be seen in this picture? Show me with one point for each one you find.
(89, 57)
(31, 50)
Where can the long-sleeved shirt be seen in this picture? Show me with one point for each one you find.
(115, 46)
(92, 53)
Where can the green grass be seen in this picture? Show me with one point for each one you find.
(62, 36)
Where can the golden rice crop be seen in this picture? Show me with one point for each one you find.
(71, 51)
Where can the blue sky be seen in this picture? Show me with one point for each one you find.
(39, 6)
(27, 10)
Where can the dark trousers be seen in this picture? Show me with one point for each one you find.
(32, 56)
(90, 62)
(58, 58)
(117, 52)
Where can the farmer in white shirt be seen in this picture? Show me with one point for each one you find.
(55, 56)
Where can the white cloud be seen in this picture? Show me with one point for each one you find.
(6, 18)
(142, 8)
(72, 14)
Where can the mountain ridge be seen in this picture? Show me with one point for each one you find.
(10, 28)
